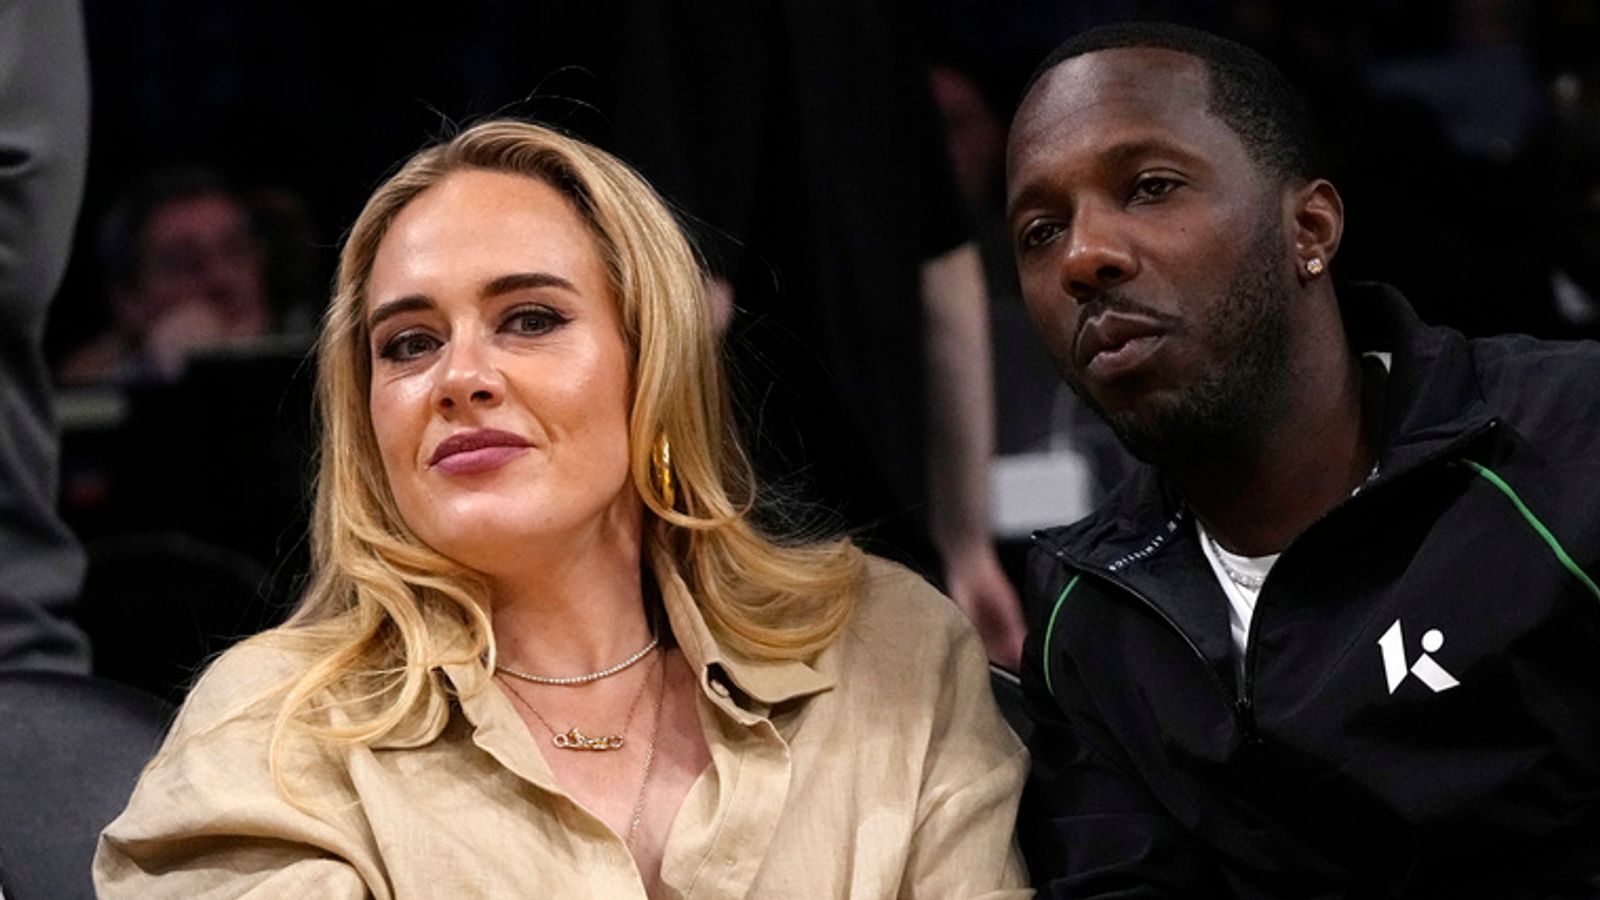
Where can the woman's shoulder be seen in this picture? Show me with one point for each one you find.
(901, 620)
(893, 595)
(240, 685)
(910, 663)
(211, 815)
(221, 748)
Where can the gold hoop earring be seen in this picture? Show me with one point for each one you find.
(1315, 266)
(661, 469)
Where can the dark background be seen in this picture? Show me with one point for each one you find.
(1435, 111)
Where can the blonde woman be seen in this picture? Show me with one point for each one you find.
(544, 647)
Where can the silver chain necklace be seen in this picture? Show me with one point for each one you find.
(570, 680)
(649, 757)
(1254, 582)
(1248, 582)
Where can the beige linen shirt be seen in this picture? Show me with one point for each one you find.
(880, 769)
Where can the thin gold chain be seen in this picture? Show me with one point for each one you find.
(574, 738)
(649, 750)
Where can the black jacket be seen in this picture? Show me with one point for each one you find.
(1157, 774)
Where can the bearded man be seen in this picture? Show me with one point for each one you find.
(1342, 637)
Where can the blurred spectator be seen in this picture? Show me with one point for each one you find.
(204, 286)
(184, 270)
(1483, 87)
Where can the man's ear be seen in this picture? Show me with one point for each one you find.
(1316, 216)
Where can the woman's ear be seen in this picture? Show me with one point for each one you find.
(1317, 222)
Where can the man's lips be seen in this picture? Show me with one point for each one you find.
(1112, 342)
(474, 451)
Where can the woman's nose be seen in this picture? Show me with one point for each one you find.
(468, 376)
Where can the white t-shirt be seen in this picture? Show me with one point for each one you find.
(1241, 600)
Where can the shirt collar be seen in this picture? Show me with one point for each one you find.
(759, 683)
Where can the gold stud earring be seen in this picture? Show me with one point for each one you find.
(661, 469)
(1315, 266)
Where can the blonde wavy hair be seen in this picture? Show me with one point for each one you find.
(383, 610)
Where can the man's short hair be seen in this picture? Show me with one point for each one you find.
(1247, 93)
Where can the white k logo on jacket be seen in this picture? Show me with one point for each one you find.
(1427, 670)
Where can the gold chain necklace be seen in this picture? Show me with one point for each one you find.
(574, 738)
(649, 749)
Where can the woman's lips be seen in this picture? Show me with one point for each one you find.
(470, 452)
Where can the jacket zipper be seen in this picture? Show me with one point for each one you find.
(1239, 708)
(1245, 706)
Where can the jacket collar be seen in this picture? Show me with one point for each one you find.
(1434, 394)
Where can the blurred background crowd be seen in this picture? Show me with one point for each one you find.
(828, 156)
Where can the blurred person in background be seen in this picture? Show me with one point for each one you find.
(184, 267)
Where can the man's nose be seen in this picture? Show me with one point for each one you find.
(1098, 255)
(468, 376)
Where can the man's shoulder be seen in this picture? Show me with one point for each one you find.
(1518, 362)
(1378, 317)
(1536, 386)
(1548, 391)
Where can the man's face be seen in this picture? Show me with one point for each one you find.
(1152, 251)
(199, 253)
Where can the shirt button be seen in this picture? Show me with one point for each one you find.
(718, 688)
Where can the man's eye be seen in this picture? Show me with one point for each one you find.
(1153, 187)
(1040, 234)
(533, 320)
(409, 345)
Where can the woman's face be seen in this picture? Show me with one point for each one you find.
(500, 386)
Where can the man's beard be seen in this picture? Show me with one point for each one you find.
(1229, 409)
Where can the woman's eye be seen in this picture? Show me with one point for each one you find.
(1040, 234)
(409, 345)
(533, 320)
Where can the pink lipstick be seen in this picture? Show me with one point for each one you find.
(471, 452)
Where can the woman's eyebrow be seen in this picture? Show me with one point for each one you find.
(393, 308)
(517, 281)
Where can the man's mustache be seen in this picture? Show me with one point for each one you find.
(1114, 301)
